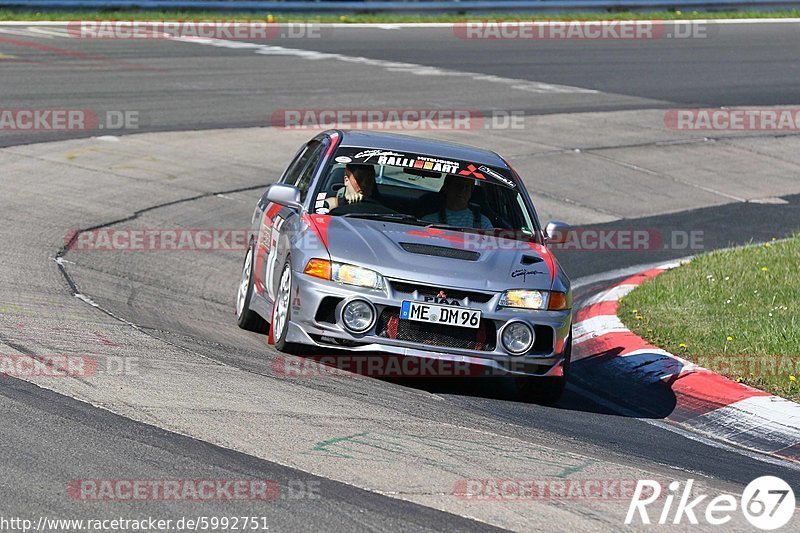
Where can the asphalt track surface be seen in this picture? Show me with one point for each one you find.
(49, 438)
(176, 86)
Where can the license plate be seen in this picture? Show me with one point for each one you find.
(440, 314)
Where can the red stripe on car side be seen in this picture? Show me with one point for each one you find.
(319, 223)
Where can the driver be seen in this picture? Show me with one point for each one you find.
(456, 210)
(359, 192)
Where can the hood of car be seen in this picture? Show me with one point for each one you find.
(440, 257)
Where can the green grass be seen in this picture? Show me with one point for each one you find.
(736, 312)
(9, 14)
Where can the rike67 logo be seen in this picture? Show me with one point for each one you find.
(767, 502)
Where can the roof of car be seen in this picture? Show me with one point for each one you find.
(420, 145)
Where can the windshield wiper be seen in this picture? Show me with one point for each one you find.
(384, 216)
(452, 228)
(403, 217)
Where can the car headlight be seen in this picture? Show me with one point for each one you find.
(524, 299)
(344, 273)
(530, 299)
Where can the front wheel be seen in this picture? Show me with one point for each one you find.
(245, 317)
(282, 310)
(544, 390)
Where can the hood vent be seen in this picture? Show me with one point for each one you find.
(440, 251)
(529, 259)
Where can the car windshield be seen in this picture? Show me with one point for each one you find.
(425, 198)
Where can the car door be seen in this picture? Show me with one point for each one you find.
(271, 251)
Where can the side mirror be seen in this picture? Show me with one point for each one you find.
(556, 232)
(280, 193)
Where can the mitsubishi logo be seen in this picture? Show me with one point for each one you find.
(441, 298)
(472, 170)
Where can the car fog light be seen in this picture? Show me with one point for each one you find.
(517, 338)
(358, 316)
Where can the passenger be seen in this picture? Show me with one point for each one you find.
(457, 211)
(359, 193)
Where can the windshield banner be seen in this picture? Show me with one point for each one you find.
(465, 169)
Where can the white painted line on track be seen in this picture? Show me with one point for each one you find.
(402, 25)
(691, 435)
(595, 327)
(742, 416)
(626, 271)
(372, 25)
(24, 32)
(767, 417)
(49, 33)
(391, 66)
(611, 295)
(636, 269)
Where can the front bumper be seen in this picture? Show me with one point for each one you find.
(307, 328)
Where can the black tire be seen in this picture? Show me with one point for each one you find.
(283, 304)
(245, 317)
(544, 390)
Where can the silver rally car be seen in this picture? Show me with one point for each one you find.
(395, 245)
